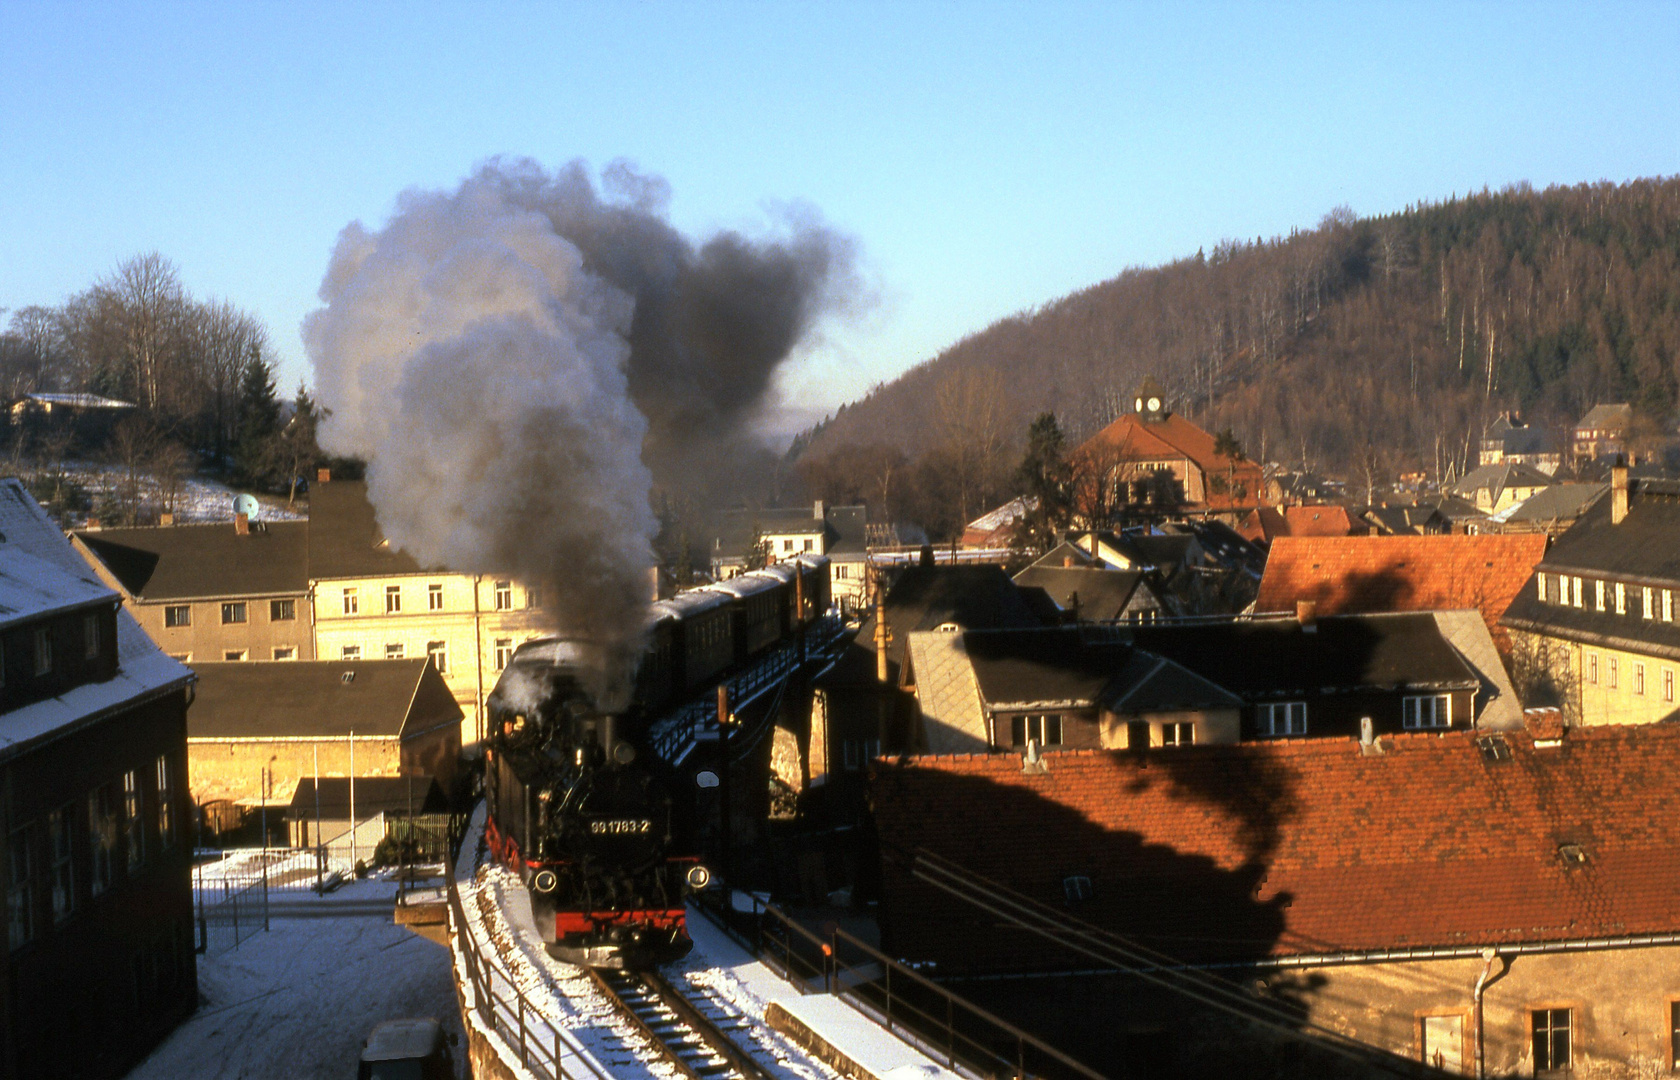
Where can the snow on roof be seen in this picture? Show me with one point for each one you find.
(32, 587)
(33, 545)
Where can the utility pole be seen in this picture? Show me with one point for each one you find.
(352, 800)
(320, 852)
(725, 829)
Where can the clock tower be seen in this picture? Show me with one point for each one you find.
(1150, 403)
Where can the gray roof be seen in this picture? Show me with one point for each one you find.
(1497, 706)
(374, 794)
(1061, 669)
(1561, 502)
(949, 698)
(182, 562)
(1607, 417)
(1099, 594)
(344, 535)
(1496, 478)
(313, 699)
(841, 526)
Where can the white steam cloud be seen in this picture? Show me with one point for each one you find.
(496, 355)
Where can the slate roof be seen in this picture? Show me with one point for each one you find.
(1560, 502)
(1349, 574)
(184, 562)
(374, 794)
(926, 597)
(946, 693)
(344, 536)
(1301, 847)
(1452, 507)
(1496, 478)
(843, 528)
(1101, 594)
(1643, 549)
(311, 699)
(1265, 659)
(32, 587)
(41, 562)
(1607, 418)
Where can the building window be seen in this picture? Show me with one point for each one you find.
(350, 652)
(20, 899)
(1621, 598)
(134, 826)
(438, 653)
(1598, 594)
(810, 545)
(351, 603)
(1551, 1039)
(1639, 679)
(533, 597)
(1668, 605)
(102, 837)
(233, 654)
(1044, 730)
(233, 612)
(1076, 888)
(393, 599)
(504, 596)
(1592, 668)
(1428, 711)
(1577, 591)
(1674, 1034)
(787, 546)
(1647, 598)
(282, 610)
(1614, 671)
(285, 652)
(43, 651)
(1668, 684)
(165, 804)
(90, 636)
(840, 571)
(503, 647)
(394, 651)
(1284, 718)
(1178, 734)
(177, 615)
(856, 753)
(59, 824)
(434, 596)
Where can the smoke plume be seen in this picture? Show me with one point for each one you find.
(518, 358)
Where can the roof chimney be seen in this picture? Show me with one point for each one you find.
(322, 476)
(1618, 490)
(166, 518)
(817, 511)
(1306, 612)
(242, 524)
(1067, 561)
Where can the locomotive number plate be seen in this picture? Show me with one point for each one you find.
(620, 827)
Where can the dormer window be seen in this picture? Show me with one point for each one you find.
(1621, 598)
(90, 636)
(43, 651)
(1598, 594)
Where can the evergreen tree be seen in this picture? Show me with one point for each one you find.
(299, 453)
(254, 455)
(1045, 482)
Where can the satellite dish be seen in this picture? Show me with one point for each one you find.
(247, 505)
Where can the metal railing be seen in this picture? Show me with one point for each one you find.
(540, 1044)
(918, 1010)
(241, 912)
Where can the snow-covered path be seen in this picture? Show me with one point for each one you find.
(298, 1000)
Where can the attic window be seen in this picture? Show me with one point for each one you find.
(347, 678)
(1573, 855)
(1494, 748)
(948, 628)
(1076, 888)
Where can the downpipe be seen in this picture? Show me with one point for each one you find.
(1490, 956)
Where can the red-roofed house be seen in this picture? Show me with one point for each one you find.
(1384, 893)
(1356, 574)
(1265, 524)
(1145, 447)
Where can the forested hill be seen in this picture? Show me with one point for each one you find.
(1377, 343)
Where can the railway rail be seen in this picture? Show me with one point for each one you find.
(698, 1045)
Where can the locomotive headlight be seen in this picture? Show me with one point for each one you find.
(623, 753)
(544, 881)
(699, 877)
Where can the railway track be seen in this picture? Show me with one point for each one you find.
(696, 1044)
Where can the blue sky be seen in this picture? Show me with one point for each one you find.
(987, 157)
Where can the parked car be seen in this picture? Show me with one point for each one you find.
(407, 1050)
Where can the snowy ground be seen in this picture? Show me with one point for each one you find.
(298, 1000)
(199, 500)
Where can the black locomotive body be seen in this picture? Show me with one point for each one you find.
(577, 806)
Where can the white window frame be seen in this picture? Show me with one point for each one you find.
(176, 616)
(438, 653)
(285, 652)
(1621, 598)
(1615, 673)
(394, 650)
(502, 596)
(434, 596)
(233, 656)
(1639, 678)
(1038, 727)
(533, 597)
(393, 599)
(1592, 668)
(1598, 593)
(1280, 719)
(1578, 602)
(502, 652)
(1668, 684)
(352, 603)
(282, 610)
(349, 652)
(1415, 717)
(235, 613)
(1668, 605)
(1648, 601)
(1178, 734)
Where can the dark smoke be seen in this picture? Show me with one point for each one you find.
(519, 359)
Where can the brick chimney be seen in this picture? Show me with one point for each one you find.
(817, 511)
(1618, 490)
(1306, 612)
(323, 476)
(242, 524)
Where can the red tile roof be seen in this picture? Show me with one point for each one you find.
(1355, 574)
(1306, 847)
(1266, 523)
(1132, 438)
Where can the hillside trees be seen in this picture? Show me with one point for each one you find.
(1407, 332)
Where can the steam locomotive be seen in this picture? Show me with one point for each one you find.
(580, 809)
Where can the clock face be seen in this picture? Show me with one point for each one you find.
(1154, 404)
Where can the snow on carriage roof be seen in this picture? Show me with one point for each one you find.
(36, 556)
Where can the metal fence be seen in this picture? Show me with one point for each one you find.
(941, 1024)
(226, 922)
